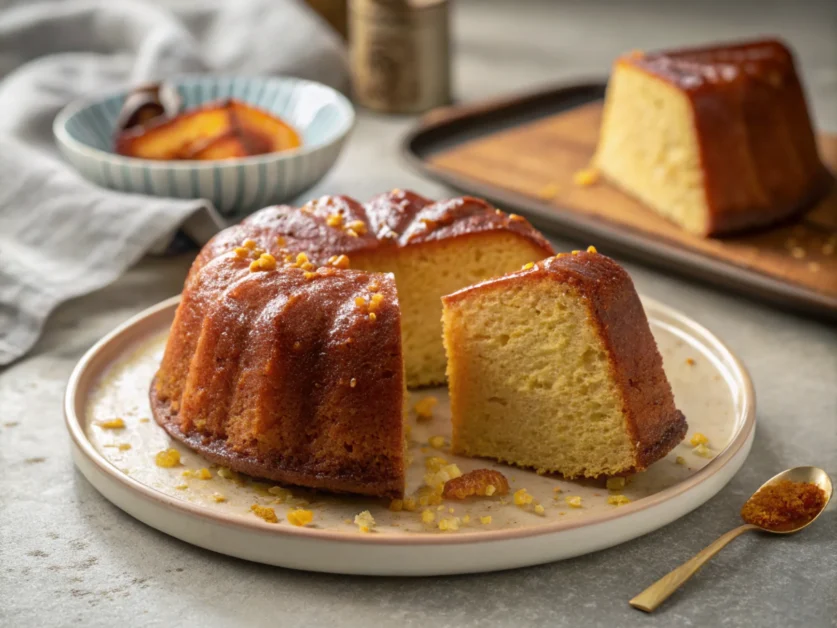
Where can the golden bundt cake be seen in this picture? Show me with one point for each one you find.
(432, 248)
(717, 139)
(289, 374)
(554, 367)
(287, 354)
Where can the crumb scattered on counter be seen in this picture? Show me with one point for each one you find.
(617, 500)
(522, 498)
(300, 517)
(365, 521)
(586, 177)
(119, 446)
(201, 474)
(436, 442)
(698, 438)
(451, 524)
(264, 512)
(167, 458)
(111, 424)
(703, 451)
(424, 408)
(573, 501)
(549, 191)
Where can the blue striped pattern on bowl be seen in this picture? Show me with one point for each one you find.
(323, 117)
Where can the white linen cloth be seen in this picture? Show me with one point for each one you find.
(61, 236)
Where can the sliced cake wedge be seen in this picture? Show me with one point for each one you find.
(554, 367)
(717, 139)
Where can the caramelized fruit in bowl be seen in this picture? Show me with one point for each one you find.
(225, 129)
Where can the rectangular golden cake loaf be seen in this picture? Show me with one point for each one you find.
(717, 139)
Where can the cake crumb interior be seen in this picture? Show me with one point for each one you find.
(648, 147)
(531, 383)
(426, 272)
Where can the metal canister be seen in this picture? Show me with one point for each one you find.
(400, 54)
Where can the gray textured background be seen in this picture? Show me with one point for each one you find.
(68, 557)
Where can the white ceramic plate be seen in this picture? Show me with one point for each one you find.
(711, 387)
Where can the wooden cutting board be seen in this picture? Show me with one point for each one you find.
(529, 165)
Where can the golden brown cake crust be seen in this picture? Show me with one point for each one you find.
(758, 150)
(398, 218)
(288, 377)
(655, 425)
(217, 452)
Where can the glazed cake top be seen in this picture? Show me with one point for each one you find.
(766, 61)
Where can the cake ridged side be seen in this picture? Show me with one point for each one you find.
(652, 419)
(289, 379)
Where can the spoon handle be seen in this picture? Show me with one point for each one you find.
(659, 592)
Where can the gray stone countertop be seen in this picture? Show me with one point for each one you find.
(69, 557)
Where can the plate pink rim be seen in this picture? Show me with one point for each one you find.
(146, 321)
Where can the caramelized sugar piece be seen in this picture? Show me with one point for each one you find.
(483, 482)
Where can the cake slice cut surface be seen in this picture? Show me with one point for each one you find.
(440, 248)
(424, 272)
(554, 367)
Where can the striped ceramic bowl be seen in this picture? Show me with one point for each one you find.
(323, 117)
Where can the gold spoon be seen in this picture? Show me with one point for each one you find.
(658, 592)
